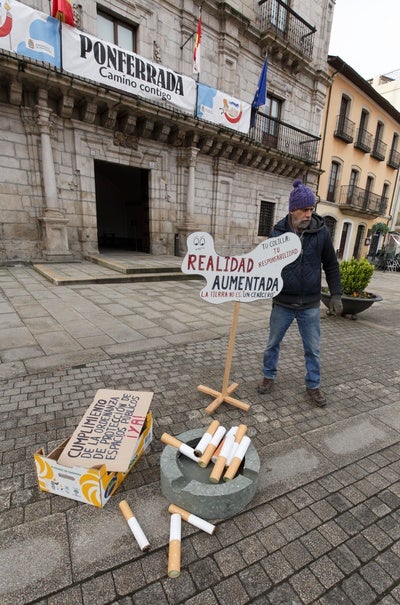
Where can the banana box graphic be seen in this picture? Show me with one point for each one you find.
(92, 486)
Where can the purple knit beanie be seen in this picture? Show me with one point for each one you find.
(300, 196)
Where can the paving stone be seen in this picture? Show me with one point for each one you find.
(376, 577)
(255, 580)
(34, 576)
(231, 588)
(358, 590)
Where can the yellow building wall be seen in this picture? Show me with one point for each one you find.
(335, 149)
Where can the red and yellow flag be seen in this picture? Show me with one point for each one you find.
(196, 49)
(62, 9)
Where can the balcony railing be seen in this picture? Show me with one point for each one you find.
(344, 129)
(363, 140)
(362, 200)
(282, 21)
(275, 134)
(379, 150)
(394, 159)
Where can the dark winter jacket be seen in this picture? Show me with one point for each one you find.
(302, 278)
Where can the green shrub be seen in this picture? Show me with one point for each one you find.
(355, 276)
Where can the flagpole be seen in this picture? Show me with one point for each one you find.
(61, 46)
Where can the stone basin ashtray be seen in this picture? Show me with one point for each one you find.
(186, 484)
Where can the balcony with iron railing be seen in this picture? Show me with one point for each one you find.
(277, 135)
(394, 159)
(379, 150)
(344, 129)
(363, 140)
(356, 201)
(285, 34)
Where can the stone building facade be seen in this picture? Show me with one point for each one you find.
(84, 166)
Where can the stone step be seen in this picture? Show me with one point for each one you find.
(64, 280)
(134, 265)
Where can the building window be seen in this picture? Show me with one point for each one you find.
(279, 15)
(273, 108)
(344, 127)
(364, 138)
(352, 192)
(267, 216)
(116, 32)
(330, 222)
(333, 181)
(394, 156)
(379, 149)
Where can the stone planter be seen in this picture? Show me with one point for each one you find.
(352, 305)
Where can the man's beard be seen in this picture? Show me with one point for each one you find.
(301, 225)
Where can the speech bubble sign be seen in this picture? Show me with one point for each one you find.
(246, 278)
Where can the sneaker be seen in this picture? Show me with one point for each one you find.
(317, 396)
(265, 386)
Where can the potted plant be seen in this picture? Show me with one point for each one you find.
(355, 276)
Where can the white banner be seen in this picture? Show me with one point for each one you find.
(29, 32)
(253, 276)
(115, 67)
(219, 108)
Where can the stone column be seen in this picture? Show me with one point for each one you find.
(56, 246)
(189, 225)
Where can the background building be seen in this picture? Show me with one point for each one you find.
(360, 157)
(84, 166)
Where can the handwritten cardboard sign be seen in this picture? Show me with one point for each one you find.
(246, 278)
(109, 430)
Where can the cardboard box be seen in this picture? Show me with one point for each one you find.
(94, 485)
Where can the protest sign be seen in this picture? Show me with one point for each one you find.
(246, 278)
(109, 430)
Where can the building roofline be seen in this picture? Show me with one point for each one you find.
(354, 77)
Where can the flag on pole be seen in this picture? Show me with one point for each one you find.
(62, 10)
(261, 93)
(196, 49)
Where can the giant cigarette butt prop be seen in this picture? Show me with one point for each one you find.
(212, 446)
(192, 519)
(241, 431)
(219, 466)
(134, 525)
(206, 438)
(237, 459)
(184, 449)
(174, 551)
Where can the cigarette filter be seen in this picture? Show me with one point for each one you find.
(184, 449)
(192, 519)
(174, 552)
(237, 459)
(220, 463)
(206, 438)
(212, 446)
(134, 525)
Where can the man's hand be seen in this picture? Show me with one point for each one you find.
(336, 305)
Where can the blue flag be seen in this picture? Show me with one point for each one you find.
(261, 92)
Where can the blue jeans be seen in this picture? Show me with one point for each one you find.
(308, 323)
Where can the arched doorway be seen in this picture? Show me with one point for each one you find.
(359, 239)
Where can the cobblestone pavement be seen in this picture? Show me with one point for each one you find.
(324, 525)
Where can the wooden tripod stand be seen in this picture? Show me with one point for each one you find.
(225, 394)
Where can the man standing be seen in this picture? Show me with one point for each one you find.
(300, 296)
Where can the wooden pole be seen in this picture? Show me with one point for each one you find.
(224, 395)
